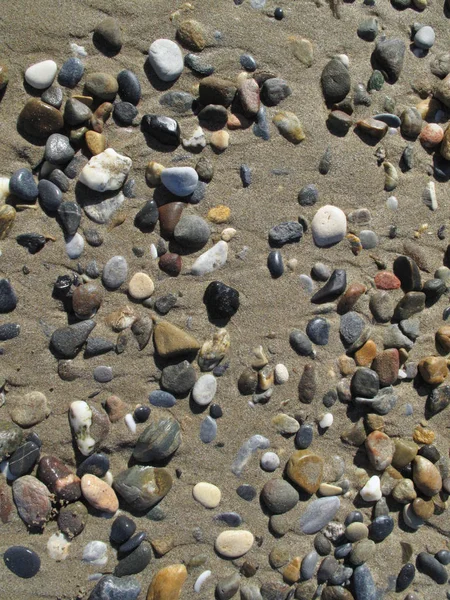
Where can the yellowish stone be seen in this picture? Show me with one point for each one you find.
(170, 340)
(306, 470)
(219, 214)
(96, 142)
(167, 583)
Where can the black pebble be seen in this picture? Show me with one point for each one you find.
(122, 529)
(434, 289)
(441, 232)
(129, 86)
(8, 331)
(215, 411)
(405, 577)
(141, 413)
(96, 464)
(408, 272)
(278, 13)
(32, 241)
(365, 383)
(22, 561)
(165, 129)
(430, 566)
(246, 492)
(430, 452)
(147, 217)
(325, 162)
(343, 550)
(221, 300)
(381, 527)
(333, 288)
(330, 398)
(246, 175)
(304, 436)
(135, 562)
(33, 437)
(275, 264)
(69, 214)
(355, 516)
(50, 196)
(23, 459)
(62, 286)
(133, 542)
(125, 113)
(443, 557)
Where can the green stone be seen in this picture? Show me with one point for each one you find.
(10, 438)
(158, 441)
(142, 487)
(376, 81)
(405, 451)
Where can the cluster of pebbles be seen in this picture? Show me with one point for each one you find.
(406, 480)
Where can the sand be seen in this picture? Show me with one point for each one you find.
(269, 308)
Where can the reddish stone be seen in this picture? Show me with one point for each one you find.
(348, 300)
(249, 96)
(170, 263)
(169, 215)
(385, 280)
(59, 478)
(380, 450)
(387, 364)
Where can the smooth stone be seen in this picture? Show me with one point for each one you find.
(129, 86)
(181, 181)
(69, 214)
(228, 586)
(122, 529)
(365, 383)
(368, 239)
(102, 211)
(66, 341)
(405, 577)
(351, 327)
(328, 226)
(41, 74)
(147, 217)
(371, 491)
(33, 242)
(142, 486)
(96, 464)
(207, 494)
(8, 297)
(318, 514)
(308, 195)
(22, 561)
(108, 35)
(275, 264)
(23, 459)
(221, 300)
(270, 462)
(443, 556)
(39, 119)
(72, 519)
(335, 81)
(389, 56)
(158, 441)
(381, 527)
(162, 399)
(333, 288)
(279, 496)
(135, 562)
(164, 129)
(233, 544)
(192, 232)
(246, 492)
(58, 150)
(197, 64)
(76, 113)
(300, 343)
(308, 565)
(368, 29)
(9, 331)
(50, 195)
(30, 410)
(261, 126)
(101, 85)
(426, 476)
(53, 96)
(178, 379)
(208, 430)
(289, 126)
(438, 399)
(33, 501)
(170, 340)
(132, 543)
(23, 185)
(75, 166)
(167, 583)
(180, 102)
(71, 72)
(204, 389)
(106, 171)
(115, 272)
(125, 113)
(318, 330)
(426, 563)
(166, 59)
(304, 436)
(425, 37)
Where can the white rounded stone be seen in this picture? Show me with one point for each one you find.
(58, 546)
(95, 553)
(41, 74)
(130, 422)
(270, 461)
(141, 286)
(4, 188)
(207, 494)
(106, 171)
(328, 226)
(228, 234)
(281, 374)
(181, 181)
(212, 259)
(201, 580)
(166, 59)
(326, 421)
(153, 251)
(234, 543)
(425, 37)
(371, 492)
(74, 245)
(204, 389)
(392, 203)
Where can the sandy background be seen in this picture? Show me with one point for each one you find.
(44, 29)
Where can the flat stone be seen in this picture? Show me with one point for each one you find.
(351, 326)
(333, 288)
(306, 470)
(181, 181)
(142, 487)
(115, 272)
(318, 514)
(158, 441)
(207, 494)
(22, 561)
(233, 544)
(66, 341)
(33, 501)
(406, 269)
(426, 476)
(110, 587)
(39, 119)
(438, 399)
(170, 340)
(101, 85)
(23, 459)
(285, 233)
(208, 430)
(41, 74)
(318, 330)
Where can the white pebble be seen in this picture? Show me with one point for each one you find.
(204, 389)
(108, 478)
(326, 421)
(201, 580)
(402, 374)
(429, 196)
(212, 259)
(344, 59)
(80, 50)
(41, 74)
(80, 418)
(166, 59)
(207, 494)
(281, 374)
(392, 203)
(228, 234)
(270, 461)
(292, 264)
(58, 546)
(74, 245)
(371, 492)
(131, 423)
(329, 226)
(4, 189)
(106, 171)
(153, 251)
(306, 283)
(95, 553)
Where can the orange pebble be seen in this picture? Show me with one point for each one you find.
(431, 135)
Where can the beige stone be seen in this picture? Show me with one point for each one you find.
(233, 543)
(99, 494)
(207, 494)
(167, 583)
(170, 340)
(141, 286)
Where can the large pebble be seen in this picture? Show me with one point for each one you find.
(110, 587)
(328, 226)
(41, 74)
(159, 440)
(33, 500)
(181, 181)
(233, 544)
(106, 171)
(318, 514)
(142, 487)
(115, 272)
(166, 59)
(22, 561)
(211, 260)
(207, 494)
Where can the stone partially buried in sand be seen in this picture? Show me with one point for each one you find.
(159, 440)
(306, 470)
(106, 171)
(170, 340)
(29, 410)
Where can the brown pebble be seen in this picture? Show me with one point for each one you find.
(433, 369)
(192, 35)
(96, 142)
(167, 583)
(116, 408)
(372, 127)
(170, 263)
(169, 215)
(380, 450)
(423, 508)
(99, 494)
(59, 478)
(374, 422)
(248, 91)
(291, 573)
(386, 364)
(443, 339)
(366, 354)
(423, 435)
(351, 295)
(426, 476)
(346, 365)
(72, 519)
(306, 470)
(307, 385)
(39, 119)
(100, 116)
(237, 121)
(87, 299)
(162, 546)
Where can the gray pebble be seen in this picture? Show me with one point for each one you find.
(351, 327)
(103, 374)
(115, 272)
(208, 430)
(368, 238)
(308, 195)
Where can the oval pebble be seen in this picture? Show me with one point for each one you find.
(204, 389)
(22, 561)
(233, 544)
(207, 494)
(74, 245)
(115, 272)
(328, 226)
(162, 399)
(208, 430)
(41, 74)
(232, 519)
(318, 514)
(166, 59)
(270, 461)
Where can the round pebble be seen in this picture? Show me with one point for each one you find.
(207, 494)
(270, 461)
(23, 562)
(328, 226)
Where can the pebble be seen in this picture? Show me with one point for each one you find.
(164, 129)
(141, 286)
(101, 85)
(72, 519)
(178, 379)
(318, 514)
(274, 91)
(99, 494)
(9, 331)
(158, 441)
(233, 544)
(108, 35)
(318, 330)
(227, 587)
(371, 492)
(425, 37)
(167, 583)
(208, 430)
(426, 563)
(335, 81)
(41, 74)
(281, 374)
(300, 343)
(289, 126)
(115, 272)
(365, 383)
(207, 494)
(181, 181)
(166, 59)
(285, 233)
(39, 119)
(405, 577)
(71, 72)
(162, 399)
(270, 461)
(368, 29)
(204, 390)
(106, 171)
(50, 196)
(23, 459)
(22, 561)
(112, 588)
(58, 150)
(275, 263)
(33, 501)
(279, 496)
(22, 184)
(67, 341)
(125, 113)
(381, 527)
(389, 56)
(129, 86)
(134, 562)
(95, 553)
(221, 300)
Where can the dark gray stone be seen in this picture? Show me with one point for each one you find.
(53, 96)
(66, 341)
(69, 214)
(335, 80)
(178, 379)
(279, 496)
(125, 113)
(9, 331)
(50, 196)
(76, 113)
(275, 264)
(381, 527)
(192, 232)
(198, 64)
(22, 561)
(23, 185)
(274, 91)
(364, 585)
(318, 331)
(405, 577)
(388, 57)
(71, 72)
(162, 399)
(333, 288)
(304, 436)
(122, 529)
(180, 102)
(309, 564)
(426, 563)
(208, 430)
(116, 588)
(308, 195)
(129, 86)
(58, 150)
(351, 327)
(23, 459)
(300, 343)
(285, 233)
(8, 298)
(365, 383)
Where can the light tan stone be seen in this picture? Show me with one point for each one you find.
(167, 583)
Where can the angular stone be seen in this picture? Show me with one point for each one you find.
(306, 470)
(67, 341)
(110, 587)
(380, 450)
